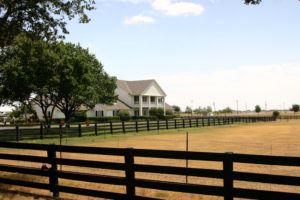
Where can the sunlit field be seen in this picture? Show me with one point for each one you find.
(273, 138)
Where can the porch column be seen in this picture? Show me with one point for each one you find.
(164, 105)
(149, 104)
(141, 105)
(156, 99)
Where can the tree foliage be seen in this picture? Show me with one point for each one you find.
(28, 74)
(82, 80)
(253, 2)
(276, 113)
(61, 75)
(188, 110)
(203, 111)
(295, 108)
(226, 110)
(176, 108)
(39, 18)
(257, 109)
(22, 109)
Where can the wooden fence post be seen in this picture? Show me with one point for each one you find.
(148, 125)
(190, 121)
(129, 173)
(197, 122)
(17, 133)
(203, 122)
(96, 128)
(228, 179)
(157, 124)
(41, 131)
(183, 124)
(79, 130)
(111, 127)
(60, 132)
(136, 126)
(208, 121)
(53, 179)
(175, 123)
(123, 127)
(167, 125)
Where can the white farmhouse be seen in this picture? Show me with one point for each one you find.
(138, 97)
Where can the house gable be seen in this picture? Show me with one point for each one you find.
(153, 90)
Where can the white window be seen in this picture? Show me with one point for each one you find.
(99, 113)
(115, 112)
(152, 99)
(145, 99)
(160, 100)
(136, 113)
(136, 99)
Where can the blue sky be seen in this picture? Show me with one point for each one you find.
(200, 51)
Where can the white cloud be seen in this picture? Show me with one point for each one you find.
(278, 85)
(177, 8)
(139, 19)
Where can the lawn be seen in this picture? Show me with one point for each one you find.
(272, 138)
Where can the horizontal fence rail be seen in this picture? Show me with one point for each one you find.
(228, 175)
(26, 132)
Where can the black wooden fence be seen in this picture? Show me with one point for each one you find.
(228, 175)
(23, 132)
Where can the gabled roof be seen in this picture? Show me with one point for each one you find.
(136, 87)
(118, 105)
(168, 107)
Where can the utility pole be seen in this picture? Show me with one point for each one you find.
(214, 106)
(237, 107)
(266, 106)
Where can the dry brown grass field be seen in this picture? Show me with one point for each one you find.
(272, 138)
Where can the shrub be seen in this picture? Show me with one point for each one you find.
(145, 117)
(124, 115)
(19, 120)
(78, 116)
(160, 111)
(169, 117)
(169, 112)
(153, 111)
(104, 119)
(276, 113)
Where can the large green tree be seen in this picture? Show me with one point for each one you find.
(28, 74)
(82, 80)
(53, 75)
(295, 108)
(257, 109)
(39, 18)
(176, 108)
(226, 110)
